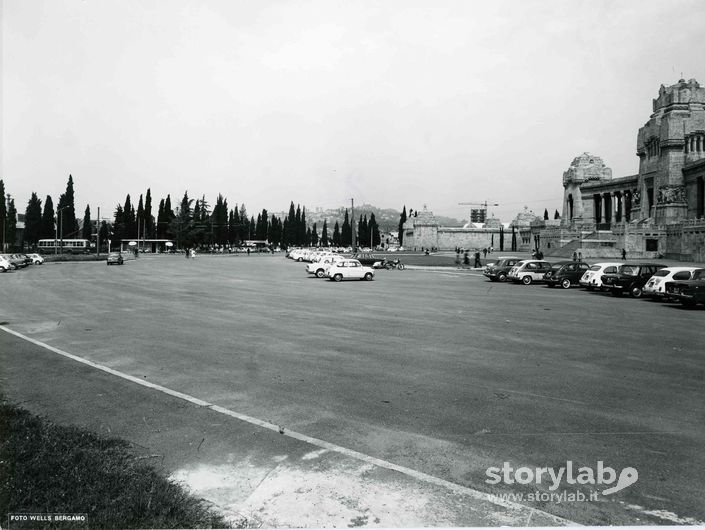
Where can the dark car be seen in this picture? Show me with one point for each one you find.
(115, 258)
(24, 258)
(497, 271)
(15, 261)
(630, 278)
(366, 258)
(688, 292)
(566, 274)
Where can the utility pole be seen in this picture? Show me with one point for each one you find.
(97, 236)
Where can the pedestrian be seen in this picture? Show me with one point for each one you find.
(457, 258)
(624, 254)
(575, 256)
(466, 258)
(186, 253)
(477, 260)
(248, 251)
(484, 252)
(580, 256)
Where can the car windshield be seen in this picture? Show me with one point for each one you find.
(699, 274)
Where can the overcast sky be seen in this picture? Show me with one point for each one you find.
(392, 102)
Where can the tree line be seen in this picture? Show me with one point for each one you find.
(192, 223)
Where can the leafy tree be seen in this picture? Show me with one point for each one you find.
(33, 220)
(128, 227)
(402, 220)
(105, 233)
(87, 228)
(363, 232)
(48, 228)
(118, 233)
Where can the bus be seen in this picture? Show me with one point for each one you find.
(70, 246)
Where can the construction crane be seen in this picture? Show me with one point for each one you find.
(478, 215)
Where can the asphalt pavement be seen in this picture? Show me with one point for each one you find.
(437, 372)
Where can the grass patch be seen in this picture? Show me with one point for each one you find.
(48, 468)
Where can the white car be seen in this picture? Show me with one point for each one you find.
(5, 264)
(529, 271)
(350, 269)
(656, 285)
(592, 279)
(322, 264)
(36, 259)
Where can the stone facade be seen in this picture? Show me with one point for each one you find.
(658, 212)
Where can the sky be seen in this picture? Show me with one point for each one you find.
(387, 102)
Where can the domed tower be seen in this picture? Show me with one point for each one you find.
(673, 137)
(584, 168)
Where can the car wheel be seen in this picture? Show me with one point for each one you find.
(368, 276)
(400, 267)
(635, 292)
(299, 259)
(565, 283)
(320, 273)
(338, 277)
(526, 280)
(502, 277)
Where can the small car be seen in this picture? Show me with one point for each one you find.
(350, 269)
(322, 264)
(529, 271)
(15, 262)
(36, 258)
(497, 271)
(22, 258)
(115, 258)
(566, 274)
(592, 279)
(631, 278)
(655, 288)
(688, 292)
(5, 264)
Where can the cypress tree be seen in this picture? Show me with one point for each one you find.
(67, 212)
(402, 220)
(148, 218)
(545, 214)
(11, 224)
(556, 215)
(33, 220)
(336, 235)
(324, 235)
(160, 220)
(48, 229)
(87, 228)
(3, 213)
(346, 231)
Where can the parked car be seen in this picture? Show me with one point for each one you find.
(656, 286)
(115, 258)
(350, 269)
(321, 266)
(592, 278)
(15, 262)
(5, 264)
(23, 258)
(37, 259)
(366, 258)
(529, 271)
(566, 274)
(688, 292)
(497, 271)
(631, 278)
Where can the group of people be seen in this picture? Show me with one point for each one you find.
(466, 257)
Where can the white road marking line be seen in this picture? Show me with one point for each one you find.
(418, 475)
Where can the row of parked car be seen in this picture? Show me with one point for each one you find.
(324, 264)
(11, 262)
(685, 284)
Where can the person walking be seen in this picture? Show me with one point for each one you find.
(457, 258)
(466, 259)
(624, 254)
(477, 260)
